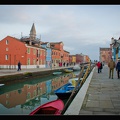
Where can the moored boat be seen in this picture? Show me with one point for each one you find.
(2, 84)
(76, 68)
(68, 70)
(73, 81)
(65, 91)
(57, 73)
(54, 107)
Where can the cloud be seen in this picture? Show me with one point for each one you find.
(82, 28)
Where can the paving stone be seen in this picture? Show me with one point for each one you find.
(91, 103)
(106, 104)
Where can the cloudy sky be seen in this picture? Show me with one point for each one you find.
(82, 28)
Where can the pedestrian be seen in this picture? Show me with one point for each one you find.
(67, 64)
(101, 66)
(118, 68)
(98, 66)
(111, 66)
(19, 66)
(64, 64)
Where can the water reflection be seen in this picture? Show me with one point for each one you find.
(22, 98)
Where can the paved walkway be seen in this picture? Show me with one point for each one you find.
(99, 95)
(4, 72)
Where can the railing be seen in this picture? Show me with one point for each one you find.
(81, 82)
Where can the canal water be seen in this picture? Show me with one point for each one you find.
(23, 97)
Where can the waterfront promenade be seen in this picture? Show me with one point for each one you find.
(99, 95)
(5, 72)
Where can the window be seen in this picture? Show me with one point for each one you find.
(39, 62)
(34, 61)
(6, 49)
(28, 61)
(45, 53)
(28, 95)
(34, 51)
(6, 57)
(41, 52)
(34, 94)
(28, 50)
(7, 42)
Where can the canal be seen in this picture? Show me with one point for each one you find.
(23, 97)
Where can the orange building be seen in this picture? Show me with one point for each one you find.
(13, 50)
(72, 59)
(27, 50)
(87, 59)
(58, 54)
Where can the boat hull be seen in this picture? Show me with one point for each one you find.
(76, 68)
(57, 73)
(51, 108)
(65, 91)
(68, 70)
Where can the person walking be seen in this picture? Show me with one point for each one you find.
(98, 66)
(101, 66)
(111, 66)
(118, 68)
(19, 66)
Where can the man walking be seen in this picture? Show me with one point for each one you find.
(111, 66)
(19, 66)
(118, 68)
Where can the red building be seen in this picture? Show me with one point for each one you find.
(25, 50)
(79, 58)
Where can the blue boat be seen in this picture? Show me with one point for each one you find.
(65, 91)
(57, 73)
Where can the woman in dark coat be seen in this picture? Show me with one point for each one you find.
(101, 67)
(118, 68)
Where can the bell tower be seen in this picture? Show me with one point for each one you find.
(33, 33)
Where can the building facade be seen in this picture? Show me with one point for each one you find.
(105, 55)
(46, 45)
(13, 50)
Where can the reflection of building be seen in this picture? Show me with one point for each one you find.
(60, 81)
(48, 87)
(22, 95)
(28, 93)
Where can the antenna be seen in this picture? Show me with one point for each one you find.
(40, 37)
(21, 34)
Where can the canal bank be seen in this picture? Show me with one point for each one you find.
(12, 75)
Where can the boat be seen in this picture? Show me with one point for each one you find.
(73, 80)
(54, 107)
(65, 91)
(1, 85)
(68, 70)
(57, 73)
(76, 68)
